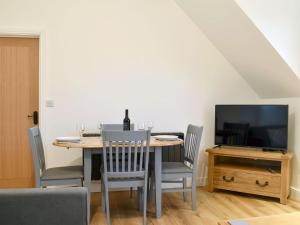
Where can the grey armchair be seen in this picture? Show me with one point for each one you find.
(35, 206)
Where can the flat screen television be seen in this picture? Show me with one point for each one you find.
(259, 126)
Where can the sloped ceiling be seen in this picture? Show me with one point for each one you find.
(244, 46)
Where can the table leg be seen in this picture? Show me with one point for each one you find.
(87, 162)
(158, 157)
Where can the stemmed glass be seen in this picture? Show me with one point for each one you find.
(149, 125)
(100, 126)
(80, 128)
(141, 126)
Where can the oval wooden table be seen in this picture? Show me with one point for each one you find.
(93, 145)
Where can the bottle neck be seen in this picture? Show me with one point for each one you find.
(126, 113)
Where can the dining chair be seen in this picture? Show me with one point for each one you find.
(125, 164)
(68, 175)
(47, 206)
(117, 127)
(178, 172)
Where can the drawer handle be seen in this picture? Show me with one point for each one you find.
(262, 185)
(228, 179)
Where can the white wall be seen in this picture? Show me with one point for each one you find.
(278, 20)
(104, 56)
(244, 46)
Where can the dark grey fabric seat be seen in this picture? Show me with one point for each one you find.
(175, 167)
(68, 175)
(67, 172)
(35, 206)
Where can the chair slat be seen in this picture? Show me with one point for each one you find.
(135, 156)
(123, 157)
(117, 158)
(141, 156)
(110, 158)
(129, 156)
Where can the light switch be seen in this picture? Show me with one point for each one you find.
(49, 103)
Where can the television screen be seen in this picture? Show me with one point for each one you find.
(261, 126)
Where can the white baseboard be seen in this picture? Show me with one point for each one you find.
(201, 181)
(295, 193)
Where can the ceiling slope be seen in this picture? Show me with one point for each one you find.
(244, 46)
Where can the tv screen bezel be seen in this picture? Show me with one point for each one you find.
(254, 147)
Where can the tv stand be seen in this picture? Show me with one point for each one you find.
(272, 150)
(250, 171)
(217, 146)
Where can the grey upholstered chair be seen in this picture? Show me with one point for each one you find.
(173, 171)
(35, 206)
(68, 175)
(125, 164)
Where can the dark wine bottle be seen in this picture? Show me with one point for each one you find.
(126, 121)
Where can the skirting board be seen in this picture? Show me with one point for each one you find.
(201, 182)
(295, 193)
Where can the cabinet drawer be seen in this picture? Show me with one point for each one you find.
(244, 181)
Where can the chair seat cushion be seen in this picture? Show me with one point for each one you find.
(60, 173)
(175, 167)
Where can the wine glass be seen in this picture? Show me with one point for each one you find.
(141, 126)
(82, 129)
(149, 125)
(100, 126)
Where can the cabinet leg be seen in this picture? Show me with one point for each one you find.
(283, 201)
(211, 165)
(210, 188)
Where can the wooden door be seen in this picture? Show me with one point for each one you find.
(19, 79)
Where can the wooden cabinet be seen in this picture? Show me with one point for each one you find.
(250, 171)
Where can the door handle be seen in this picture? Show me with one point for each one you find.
(35, 117)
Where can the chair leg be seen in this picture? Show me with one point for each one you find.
(150, 188)
(107, 202)
(184, 184)
(131, 192)
(145, 204)
(194, 193)
(102, 196)
(153, 187)
(139, 198)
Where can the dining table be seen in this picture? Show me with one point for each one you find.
(94, 145)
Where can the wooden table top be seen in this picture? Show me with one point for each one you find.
(280, 219)
(96, 143)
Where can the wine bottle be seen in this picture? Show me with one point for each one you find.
(126, 121)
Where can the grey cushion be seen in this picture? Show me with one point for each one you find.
(55, 206)
(175, 167)
(60, 173)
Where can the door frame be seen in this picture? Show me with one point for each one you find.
(41, 35)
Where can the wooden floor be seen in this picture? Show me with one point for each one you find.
(212, 207)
